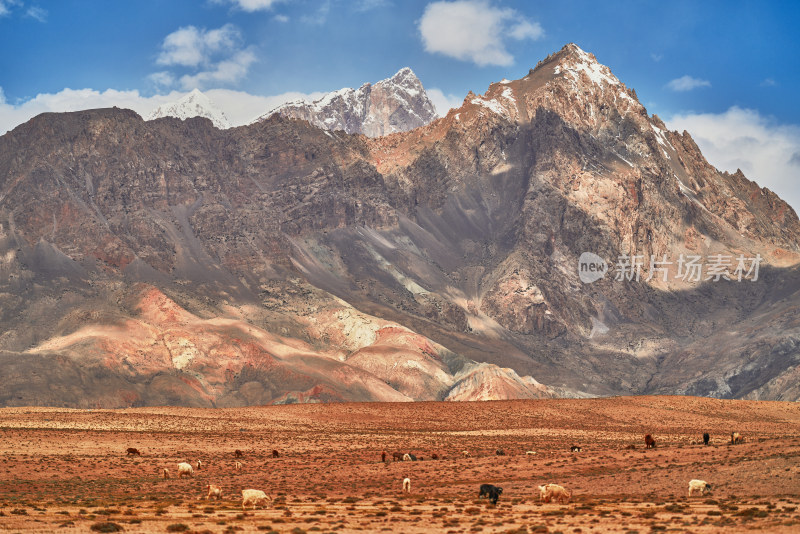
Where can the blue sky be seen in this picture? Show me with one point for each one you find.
(727, 71)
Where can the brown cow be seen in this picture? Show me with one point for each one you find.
(133, 452)
(397, 456)
(649, 442)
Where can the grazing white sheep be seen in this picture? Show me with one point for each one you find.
(237, 466)
(699, 486)
(253, 496)
(530, 453)
(550, 492)
(185, 469)
(407, 485)
(406, 457)
(465, 454)
(213, 491)
(165, 473)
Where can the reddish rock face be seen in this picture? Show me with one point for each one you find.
(170, 262)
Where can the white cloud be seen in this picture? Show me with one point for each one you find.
(687, 83)
(240, 107)
(474, 30)
(71, 100)
(767, 152)
(190, 46)
(442, 102)
(320, 16)
(163, 78)
(368, 5)
(280, 18)
(211, 57)
(225, 72)
(37, 13)
(251, 5)
(6, 5)
(527, 30)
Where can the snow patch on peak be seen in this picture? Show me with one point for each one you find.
(491, 104)
(577, 63)
(396, 104)
(404, 75)
(193, 104)
(503, 104)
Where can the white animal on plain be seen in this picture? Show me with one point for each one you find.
(465, 454)
(213, 491)
(199, 464)
(530, 453)
(550, 492)
(237, 466)
(185, 469)
(406, 457)
(254, 497)
(407, 485)
(699, 486)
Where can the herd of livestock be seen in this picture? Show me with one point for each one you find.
(547, 492)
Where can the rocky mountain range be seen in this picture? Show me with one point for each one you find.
(547, 238)
(396, 104)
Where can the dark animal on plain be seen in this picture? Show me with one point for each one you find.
(434, 456)
(575, 448)
(397, 456)
(237, 453)
(490, 491)
(413, 457)
(383, 456)
(706, 437)
(500, 452)
(631, 447)
(649, 442)
(133, 452)
(275, 454)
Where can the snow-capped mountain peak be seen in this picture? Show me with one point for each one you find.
(396, 104)
(193, 104)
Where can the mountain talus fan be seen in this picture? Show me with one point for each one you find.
(170, 262)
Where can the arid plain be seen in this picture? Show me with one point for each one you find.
(67, 470)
